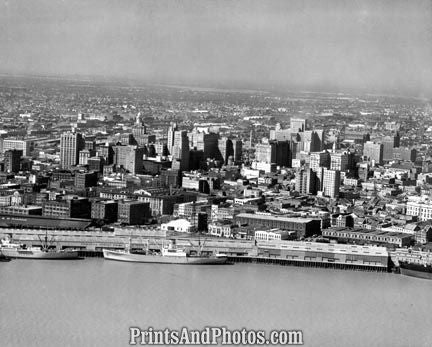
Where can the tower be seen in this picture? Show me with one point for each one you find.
(225, 147)
(70, 145)
(331, 182)
(129, 157)
(171, 131)
(12, 160)
(237, 149)
(298, 124)
(373, 151)
(180, 149)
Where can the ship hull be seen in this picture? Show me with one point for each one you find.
(416, 271)
(4, 258)
(159, 259)
(32, 254)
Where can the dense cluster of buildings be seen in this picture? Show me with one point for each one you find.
(282, 177)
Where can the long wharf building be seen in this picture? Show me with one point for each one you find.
(345, 256)
(303, 226)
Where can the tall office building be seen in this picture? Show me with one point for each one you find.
(70, 145)
(405, 154)
(139, 132)
(331, 182)
(358, 135)
(305, 181)
(318, 140)
(339, 161)
(319, 159)
(161, 149)
(90, 145)
(12, 160)
(265, 153)
(373, 151)
(85, 179)
(311, 141)
(298, 124)
(171, 132)
(237, 149)
(129, 158)
(26, 146)
(225, 149)
(275, 152)
(127, 139)
(363, 171)
(208, 143)
(84, 156)
(107, 153)
(180, 150)
(280, 134)
(283, 156)
(389, 144)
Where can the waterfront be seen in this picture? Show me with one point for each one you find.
(93, 302)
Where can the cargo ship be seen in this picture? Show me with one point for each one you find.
(416, 270)
(415, 263)
(168, 254)
(15, 250)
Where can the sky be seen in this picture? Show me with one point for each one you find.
(372, 45)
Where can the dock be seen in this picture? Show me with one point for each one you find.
(287, 253)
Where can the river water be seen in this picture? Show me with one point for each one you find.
(93, 302)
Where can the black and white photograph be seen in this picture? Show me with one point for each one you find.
(215, 173)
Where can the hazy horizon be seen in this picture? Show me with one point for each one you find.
(336, 45)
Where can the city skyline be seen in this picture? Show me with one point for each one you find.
(372, 46)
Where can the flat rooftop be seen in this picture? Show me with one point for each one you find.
(278, 218)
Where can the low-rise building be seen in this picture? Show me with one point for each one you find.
(221, 229)
(105, 210)
(133, 212)
(369, 236)
(304, 227)
(22, 210)
(273, 234)
(178, 225)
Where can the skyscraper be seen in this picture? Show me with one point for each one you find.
(404, 153)
(339, 161)
(139, 131)
(180, 149)
(389, 144)
(208, 143)
(311, 140)
(70, 145)
(373, 151)
(265, 153)
(298, 124)
(305, 181)
(225, 149)
(331, 183)
(283, 156)
(171, 131)
(319, 159)
(129, 158)
(12, 160)
(26, 146)
(280, 134)
(237, 148)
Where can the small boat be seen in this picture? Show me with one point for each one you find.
(15, 250)
(168, 254)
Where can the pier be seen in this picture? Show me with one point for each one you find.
(90, 244)
(313, 264)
